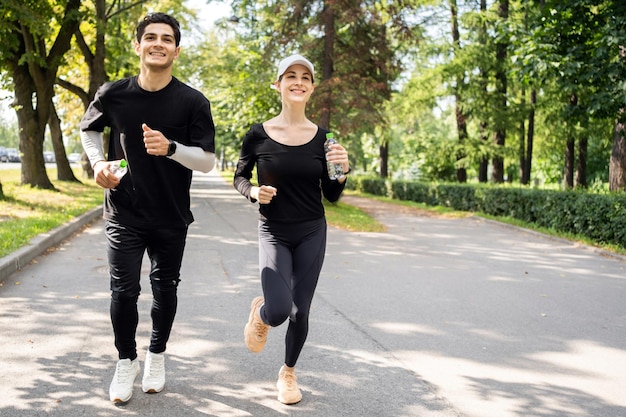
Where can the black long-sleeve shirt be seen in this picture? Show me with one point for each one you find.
(298, 173)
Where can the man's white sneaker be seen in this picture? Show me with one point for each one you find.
(121, 388)
(153, 373)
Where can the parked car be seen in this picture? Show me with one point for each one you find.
(73, 158)
(49, 156)
(14, 155)
(4, 155)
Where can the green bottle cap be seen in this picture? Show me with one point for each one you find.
(123, 163)
(330, 135)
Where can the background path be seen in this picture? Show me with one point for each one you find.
(434, 317)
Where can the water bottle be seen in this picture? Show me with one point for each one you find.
(118, 168)
(335, 171)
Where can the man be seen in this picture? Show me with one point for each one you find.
(164, 130)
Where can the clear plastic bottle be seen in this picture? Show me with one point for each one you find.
(335, 171)
(119, 168)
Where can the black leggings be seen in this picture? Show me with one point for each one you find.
(125, 249)
(290, 261)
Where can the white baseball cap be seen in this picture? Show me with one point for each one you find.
(293, 60)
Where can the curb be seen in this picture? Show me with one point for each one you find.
(41, 243)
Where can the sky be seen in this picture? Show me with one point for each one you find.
(214, 10)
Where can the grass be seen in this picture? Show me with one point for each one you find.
(347, 217)
(26, 212)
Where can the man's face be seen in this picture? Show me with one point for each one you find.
(157, 49)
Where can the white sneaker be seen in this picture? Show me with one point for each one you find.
(121, 388)
(153, 373)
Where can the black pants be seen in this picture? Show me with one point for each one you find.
(126, 246)
(290, 261)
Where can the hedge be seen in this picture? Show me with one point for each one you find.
(599, 217)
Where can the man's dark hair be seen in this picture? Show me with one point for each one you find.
(158, 18)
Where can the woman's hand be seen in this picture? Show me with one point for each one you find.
(263, 194)
(338, 155)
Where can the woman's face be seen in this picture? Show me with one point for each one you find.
(296, 83)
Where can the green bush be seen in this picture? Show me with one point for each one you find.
(372, 185)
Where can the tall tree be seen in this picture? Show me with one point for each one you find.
(33, 69)
(93, 49)
(483, 83)
(358, 63)
(578, 44)
(527, 150)
(527, 136)
(502, 89)
(461, 118)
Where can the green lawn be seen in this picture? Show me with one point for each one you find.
(26, 212)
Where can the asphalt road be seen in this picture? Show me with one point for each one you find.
(435, 317)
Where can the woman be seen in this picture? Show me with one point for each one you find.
(288, 151)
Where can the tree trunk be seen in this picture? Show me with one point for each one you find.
(34, 80)
(328, 17)
(64, 171)
(522, 142)
(483, 168)
(383, 151)
(497, 175)
(522, 148)
(617, 165)
(570, 148)
(568, 172)
(461, 125)
(501, 87)
(581, 162)
(461, 119)
(31, 130)
(530, 137)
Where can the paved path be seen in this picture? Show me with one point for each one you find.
(436, 317)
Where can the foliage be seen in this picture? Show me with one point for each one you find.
(558, 49)
(350, 91)
(597, 216)
(385, 78)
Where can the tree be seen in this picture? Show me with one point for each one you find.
(352, 45)
(502, 90)
(461, 118)
(578, 44)
(32, 52)
(94, 55)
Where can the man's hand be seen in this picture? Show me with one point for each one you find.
(156, 144)
(104, 178)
